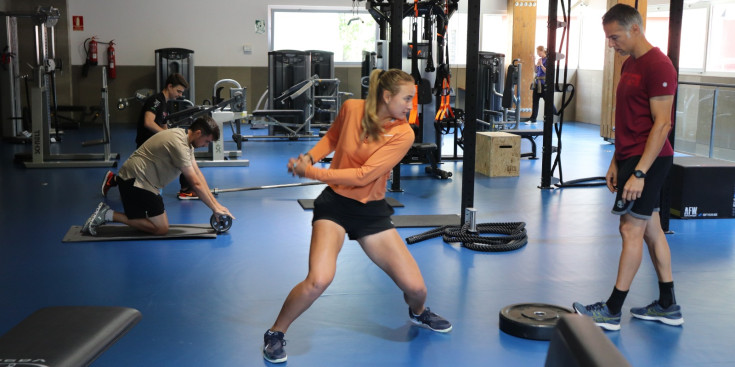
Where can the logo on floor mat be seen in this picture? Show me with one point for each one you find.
(690, 211)
(22, 362)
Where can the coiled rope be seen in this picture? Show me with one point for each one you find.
(507, 236)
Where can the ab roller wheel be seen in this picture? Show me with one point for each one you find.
(221, 224)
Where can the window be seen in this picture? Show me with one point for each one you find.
(721, 55)
(495, 33)
(345, 32)
(693, 40)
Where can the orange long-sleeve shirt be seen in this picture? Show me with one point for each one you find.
(360, 168)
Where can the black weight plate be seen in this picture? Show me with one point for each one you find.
(222, 225)
(531, 320)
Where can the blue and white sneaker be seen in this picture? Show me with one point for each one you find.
(600, 314)
(273, 344)
(96, 219)
(430, 320)
(654, 312)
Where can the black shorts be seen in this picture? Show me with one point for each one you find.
(650, 199)
(139, 203)
(358, 219)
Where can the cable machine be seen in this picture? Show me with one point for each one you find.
(43, 101)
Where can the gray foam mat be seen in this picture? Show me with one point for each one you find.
(437, 220)
(308, 204)
(126, 233)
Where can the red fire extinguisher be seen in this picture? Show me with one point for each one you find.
(92, 52)
(111, 67)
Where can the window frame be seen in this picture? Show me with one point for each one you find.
(272, 9)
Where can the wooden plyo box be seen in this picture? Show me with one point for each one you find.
(498, 154)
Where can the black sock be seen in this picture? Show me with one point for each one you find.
(666, 294)
(615, 302)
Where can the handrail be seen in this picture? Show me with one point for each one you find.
(715, 95)
(716, 85)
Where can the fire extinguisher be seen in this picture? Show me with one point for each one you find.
(111, 67)
(92, 52)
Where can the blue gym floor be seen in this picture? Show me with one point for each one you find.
(207, 302)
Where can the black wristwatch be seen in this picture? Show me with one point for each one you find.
(639, 174)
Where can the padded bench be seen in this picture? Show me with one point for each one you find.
(529, 134)
(65, 336)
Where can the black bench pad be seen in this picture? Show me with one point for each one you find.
(66, 336)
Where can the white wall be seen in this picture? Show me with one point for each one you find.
(216, 30)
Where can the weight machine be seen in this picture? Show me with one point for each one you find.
(302, 95)
(43, 99)
(232, 110)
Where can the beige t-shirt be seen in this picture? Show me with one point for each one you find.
(159, 160)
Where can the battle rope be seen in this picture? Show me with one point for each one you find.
(508, 236)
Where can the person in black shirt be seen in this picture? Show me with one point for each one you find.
(154, 110)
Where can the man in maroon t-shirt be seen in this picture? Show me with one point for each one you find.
(643, 156)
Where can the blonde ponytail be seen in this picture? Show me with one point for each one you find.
(380, 80)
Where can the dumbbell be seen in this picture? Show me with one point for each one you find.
(221, 224)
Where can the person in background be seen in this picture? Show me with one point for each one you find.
(151, 167)
(152, 120)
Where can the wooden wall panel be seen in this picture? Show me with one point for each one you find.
(522, 15)
(611, 76)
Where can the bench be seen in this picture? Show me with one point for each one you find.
(529, 134)
(65, 336)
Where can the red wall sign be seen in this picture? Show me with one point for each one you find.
(77, 22)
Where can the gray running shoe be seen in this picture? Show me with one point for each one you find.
(430, 320)
(96, 219)
(600, 314)
(273, 347)
(654, 312)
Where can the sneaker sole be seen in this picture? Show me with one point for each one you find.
(187, 197)
(280, 360)
(419, 323)
(609, 327)
(604, 325)
(672, 322)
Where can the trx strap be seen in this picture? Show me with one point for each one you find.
(445, 108)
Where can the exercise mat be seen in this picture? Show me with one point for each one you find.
(127, 233)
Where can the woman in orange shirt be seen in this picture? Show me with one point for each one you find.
(368, 137)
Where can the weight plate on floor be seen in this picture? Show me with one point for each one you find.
(222, 225)
(531, 320)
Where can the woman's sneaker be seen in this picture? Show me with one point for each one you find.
(430, 320)
(273, 347)
(654, 312)
(600, 314)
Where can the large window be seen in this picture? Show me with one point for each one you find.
(721, 55)
(345, 32)
(693, 36)
(495, 36)
(706, 37)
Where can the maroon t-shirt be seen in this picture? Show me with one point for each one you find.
(641, 79)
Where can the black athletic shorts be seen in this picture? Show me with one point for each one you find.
(139, 203)
(650, 199)
(358, 219)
